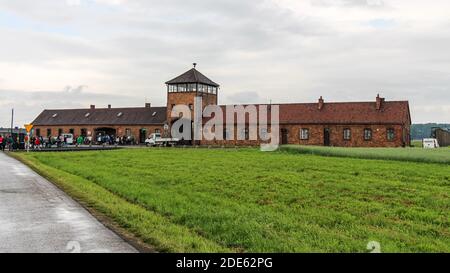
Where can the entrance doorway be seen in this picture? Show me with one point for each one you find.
(142, 135)
(326, 137)
(284, 136)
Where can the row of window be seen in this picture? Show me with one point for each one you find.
(347, 134)
(193, 87)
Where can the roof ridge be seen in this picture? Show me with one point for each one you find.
(113, 108)
(307, 103)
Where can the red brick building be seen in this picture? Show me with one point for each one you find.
(378, 123)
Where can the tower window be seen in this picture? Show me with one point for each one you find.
(172, 88)
(192, 87)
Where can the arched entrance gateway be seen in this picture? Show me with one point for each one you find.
(105, 131)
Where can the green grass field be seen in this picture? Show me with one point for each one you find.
(200, 200)
(441, 155)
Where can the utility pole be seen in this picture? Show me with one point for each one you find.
(12, 121)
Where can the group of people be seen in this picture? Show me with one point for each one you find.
(6, 142)
(115, 140)
(39, 142)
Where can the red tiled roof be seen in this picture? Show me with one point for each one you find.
(391, 112)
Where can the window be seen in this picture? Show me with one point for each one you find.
(264, 133)
(304, 134)
(246, 133)
(390, 133)
(212, 89)
(119, 114)
(49, 132)
(181, 88)
(157, 131)
(128, 132)
(72, 131)
(60, 132)
(84, 132)
(192, 87)
(347, 134)
(87, 115)
(172, 88)
(202, 88)
(191, 106)
(38, 132)
(367, 134)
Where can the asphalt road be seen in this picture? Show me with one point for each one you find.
(37, 217)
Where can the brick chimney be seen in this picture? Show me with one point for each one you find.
(379, 102)
(321, 103)
(92, 106)
(148, 105)
(109, 106)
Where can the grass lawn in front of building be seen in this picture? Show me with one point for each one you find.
(244, 200)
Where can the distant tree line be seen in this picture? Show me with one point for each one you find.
(420, 131)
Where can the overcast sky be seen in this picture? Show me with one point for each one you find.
(73, 53)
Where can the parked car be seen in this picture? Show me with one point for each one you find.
(156, 140)
(430, 143)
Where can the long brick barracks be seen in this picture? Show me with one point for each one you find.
(377, 123)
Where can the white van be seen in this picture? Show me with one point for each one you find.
(430, 143)
(69, 138)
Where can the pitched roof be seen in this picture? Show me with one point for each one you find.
(391, 112)
(192, 76)
(103, 116)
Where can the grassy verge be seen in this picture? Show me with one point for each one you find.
(246, 200)
(441, 155)
(151, 228)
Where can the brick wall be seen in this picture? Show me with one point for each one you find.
(316, 136)
(187, 98)
(379, 135)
